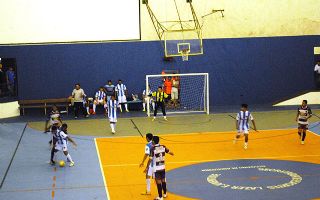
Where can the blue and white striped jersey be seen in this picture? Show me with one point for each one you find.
(62, 138)
(120, 88)
(112, 108)
(243, 120)
(100, 95)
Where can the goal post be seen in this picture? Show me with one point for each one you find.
(191, 92)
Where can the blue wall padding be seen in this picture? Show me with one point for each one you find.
(252, 70)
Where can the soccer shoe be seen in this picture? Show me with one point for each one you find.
(164, 195)
(158, 198)
(302, 142)
(93, 113)
(245, 146)
(71, 164)
(113, 132)
(165, 119)
(75, 117)
(144, 110)
(127, 110)
(153, 119)
(52, 162)
(86, 116)
(146, 193)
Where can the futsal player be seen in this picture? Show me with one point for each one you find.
(157, 156)
(54, 119)
(147, 99)
(149, 168)
(160, 102)
(121, 91)
(112, 113)
(242, 124)
(61, 144)
(304, 113)
(100, 99)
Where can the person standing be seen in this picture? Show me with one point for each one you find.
(317, 74)
(2, 81)
(121, 90)
(304, 113)
(175, 91)
(112, 113)
(149, 168)
(146, 99)
(78, 96)
(160, 97)
(11, 81)
(109, 89)
(242, 124)
(157, 157)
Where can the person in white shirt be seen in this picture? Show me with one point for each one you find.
(121, 90)
(317, 68)
(78, 95)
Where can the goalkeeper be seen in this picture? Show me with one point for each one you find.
(160, 96)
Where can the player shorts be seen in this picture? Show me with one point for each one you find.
(243, 131)
(122, 99)
(113, 119)
(100, 101)
(61, 147)
(174, 93)
(160, 174)
(150, 171)
(303, 126)
(53, 122)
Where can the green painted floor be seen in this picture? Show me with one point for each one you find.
(177, 124)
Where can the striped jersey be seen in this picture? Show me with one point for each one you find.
(243, 120)
(158, 153)
(62, 138)
(54, 115)
(160, 96)
(100, 95)
(112, 108)
(304, 113)
(120, 88)
(144, 93)
(109, 89)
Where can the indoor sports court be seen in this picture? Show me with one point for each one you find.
(230, 88)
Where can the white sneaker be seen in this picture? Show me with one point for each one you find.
(71, 164)
(158, 198)
(165, 119)
(127, 110)
(245, 146)
(144, 110)
(164, 195)
(113, 132)
(302, 142)
(153, 119)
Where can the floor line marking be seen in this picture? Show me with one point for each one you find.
(102, 172)
(201, 161)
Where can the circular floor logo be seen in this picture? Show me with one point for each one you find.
(213, 178)
(247, 179)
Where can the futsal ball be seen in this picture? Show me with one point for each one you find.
(62, 163)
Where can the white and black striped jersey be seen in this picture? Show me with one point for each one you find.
(158, 153)
(303, 114)
(100, 95)
(121, 88)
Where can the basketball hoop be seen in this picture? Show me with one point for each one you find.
(185, 54)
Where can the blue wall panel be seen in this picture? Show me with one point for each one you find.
(252, 70)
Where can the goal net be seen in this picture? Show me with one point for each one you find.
(187, 92)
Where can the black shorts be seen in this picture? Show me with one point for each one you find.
(160, 174)
(303, 126)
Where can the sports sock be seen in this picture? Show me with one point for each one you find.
(94, 107)
(126, 106)
(144, 106)
(111, 125)
(159, 187)
(120, 107)
(303, 136)
(164, 187)
(148, 184)
(69, 158)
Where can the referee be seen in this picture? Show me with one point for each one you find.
(160, 96)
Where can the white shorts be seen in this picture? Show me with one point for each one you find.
(101, 102)
(243, 131)
(122, 99)
(150, 171)
(61, 147)
(113, 119)
(53, 122)
(174, 93)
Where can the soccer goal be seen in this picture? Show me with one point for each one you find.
(191, 92)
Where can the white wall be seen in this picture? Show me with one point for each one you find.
(36, 21)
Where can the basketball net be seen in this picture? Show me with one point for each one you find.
(185, 54)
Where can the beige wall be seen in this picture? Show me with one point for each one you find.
(243, 18)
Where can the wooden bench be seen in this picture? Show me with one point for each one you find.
(44, 103)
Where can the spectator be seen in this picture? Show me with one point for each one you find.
(78, 96)
(2, 81)
(100, 99)
(317, 74)
(11, 81)
(122, 92)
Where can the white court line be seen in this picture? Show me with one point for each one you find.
(201, 161)
(104, 179)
